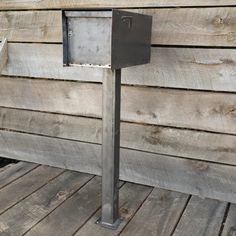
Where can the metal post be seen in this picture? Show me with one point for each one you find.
(111, 149)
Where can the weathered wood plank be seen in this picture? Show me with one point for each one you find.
(186, 26)
(183, 175)
(21, 188)
(172, 141)
(12, 172)
(230, 223)
(201, 217)
(194, 26)
(193, 68)
(17, 26)
(131, 198)
(199, 110)
(48, 4)
(3, 54)
(158, 215)
(27, 213)
(77, 210)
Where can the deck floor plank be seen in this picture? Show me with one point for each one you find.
(26, 185)
(23, 216)
(12, 172)
(202, 217)
(131, 198)
(158, 215)
(230, 222)
(72, 214)
(50, 201)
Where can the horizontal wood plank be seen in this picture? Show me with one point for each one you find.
(48, 4)
(183, 175)
(167, 107)
(172, 141)
(192, 68)
(185, 26)
(31, 26)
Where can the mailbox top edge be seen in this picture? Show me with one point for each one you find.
(88, 14)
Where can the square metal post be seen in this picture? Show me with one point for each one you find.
(111, 149)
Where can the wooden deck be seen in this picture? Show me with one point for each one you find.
(41, 200)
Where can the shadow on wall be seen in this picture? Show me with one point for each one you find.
(5, 161)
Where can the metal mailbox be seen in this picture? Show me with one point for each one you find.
(110, 39)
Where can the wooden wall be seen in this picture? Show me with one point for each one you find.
(178, 112)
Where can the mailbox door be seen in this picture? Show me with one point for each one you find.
(131, 39)
(87, 38)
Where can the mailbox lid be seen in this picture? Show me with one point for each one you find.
(131, 39)
(87, 38)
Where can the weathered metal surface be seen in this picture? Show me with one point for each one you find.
(111, 148)
(110, 39)
(89, 38)
(131, 39)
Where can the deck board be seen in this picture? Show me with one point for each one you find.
(52, 201)
(202, 217)
(14, 171)
(229, 228)
(167, 208)
(23, 216)
(21, 188)
(131, 198)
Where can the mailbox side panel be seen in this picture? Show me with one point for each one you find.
(131, 39)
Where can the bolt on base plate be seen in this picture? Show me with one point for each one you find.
(108, 225)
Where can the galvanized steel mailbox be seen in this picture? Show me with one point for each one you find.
(111, 39)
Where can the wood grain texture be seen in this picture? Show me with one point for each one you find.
(31, 26)
(199, 110)
(48, 4)
(131, 198)
(3, 54)
(176, 26)
(77, 209)
(187, 176)
(230, 222)
(21, 188)
(193, 26)
(172, 141)
(23, 216)
(158, 215)
(12, 172)
(201, 217)
(192, 68)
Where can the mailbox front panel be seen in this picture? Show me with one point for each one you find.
(88, 38)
